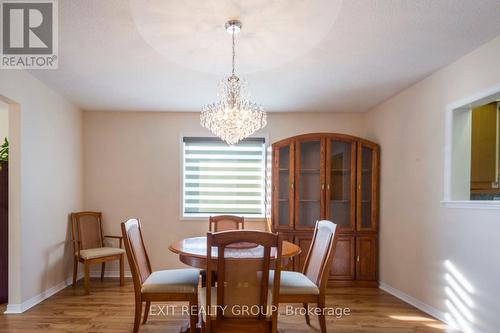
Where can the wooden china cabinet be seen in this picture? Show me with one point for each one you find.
(334, 177)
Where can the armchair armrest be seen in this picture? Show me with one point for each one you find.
(120, 238)
(76, 246)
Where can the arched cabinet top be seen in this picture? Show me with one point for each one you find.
(337, 136)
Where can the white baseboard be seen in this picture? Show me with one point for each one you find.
(20, 308)
(13, 308)
(430, 310)
(413, 301)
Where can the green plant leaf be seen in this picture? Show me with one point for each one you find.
(4, 150)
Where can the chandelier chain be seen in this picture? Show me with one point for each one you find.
(234, 54)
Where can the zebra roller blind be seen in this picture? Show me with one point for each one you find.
(223, 179)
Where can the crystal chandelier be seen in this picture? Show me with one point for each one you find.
(233, 117)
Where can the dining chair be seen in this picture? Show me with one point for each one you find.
(310, 285)
(173, 285)
(241, 283)
(222, 223)
(88, 246)
(225, 223)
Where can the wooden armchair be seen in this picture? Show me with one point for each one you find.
(172, 285)
(88, 245)
(225, 223)
(241, 284)
(310, 285)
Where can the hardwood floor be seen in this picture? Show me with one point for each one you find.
(110, 308)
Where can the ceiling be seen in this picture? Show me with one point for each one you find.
(296, 55)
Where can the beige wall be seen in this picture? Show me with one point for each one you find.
(51, 182)
(4, 121)
(418, 233)
(132, 168)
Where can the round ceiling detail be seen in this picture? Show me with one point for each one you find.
(191, 33)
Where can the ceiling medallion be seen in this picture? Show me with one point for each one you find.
(233, 117)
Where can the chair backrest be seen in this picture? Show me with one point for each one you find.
(86, 230)
(136, 252)
(244, 283)
(321, 252)
(225, 223)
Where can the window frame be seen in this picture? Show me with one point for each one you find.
(204, 217)
(456, 112)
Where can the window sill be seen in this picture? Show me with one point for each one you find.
(472, 204)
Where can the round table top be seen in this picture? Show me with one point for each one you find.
(196, 247)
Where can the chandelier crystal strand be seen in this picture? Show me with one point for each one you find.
(233, 117)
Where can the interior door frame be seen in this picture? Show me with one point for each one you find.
(14, 256)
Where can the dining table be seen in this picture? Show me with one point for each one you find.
(192, 251)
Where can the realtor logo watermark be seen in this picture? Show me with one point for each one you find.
(247, 310)
(29, 34)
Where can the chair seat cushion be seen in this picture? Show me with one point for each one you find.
(172, 281)
(100, 252)
(295, 283)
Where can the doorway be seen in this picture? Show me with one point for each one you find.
(4, 202)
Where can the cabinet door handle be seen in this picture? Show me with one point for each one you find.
(322, 187)
(357, 258)
(292, 186)
(328, 187)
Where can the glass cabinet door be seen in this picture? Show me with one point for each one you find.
(309, 183)
(283, 190)
(341, 183)
(367, 185)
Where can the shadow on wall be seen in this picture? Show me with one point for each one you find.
(52, 263)
(68, 250)
(459, 299)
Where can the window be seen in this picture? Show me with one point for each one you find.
(223, 179)
(472, 152)
(484, 182)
